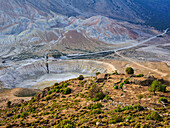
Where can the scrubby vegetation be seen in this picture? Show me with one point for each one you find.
(81, 77)
(8, 103)
(96, 93)
(86, 103)
(139, 75)
(97, 73)
(115, 73)
(154, 116)
(116, 87)
(165, 100)
(129, 70)
(126, 81)
(157, 86)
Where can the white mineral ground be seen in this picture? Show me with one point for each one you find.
(34, 74)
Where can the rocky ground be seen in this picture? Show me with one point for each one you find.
(92, 102)
(17, 95)
(121, 65)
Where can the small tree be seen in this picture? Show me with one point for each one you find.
(67, 91)
(115, 72)
(165, 100)
(157, 86)
(81, 77)
(140, 96)
(8, 103)
(129, 70)
(97, 73)
(96, 93)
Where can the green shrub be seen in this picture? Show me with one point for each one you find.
(63, 85)
(139, 75)
(97, 73)
(95, 106)
(68, 126)
(108, 97)
(81, 77)
(24, 114)
(8, 103)
(49, 92)
(56, 84)
(115, 73)
(135, 107)
(65, 124)
(130, 117)
(47, 98)
(140, 96)
(157, 86)
(165, 100)
(154, 116)
(66, 91)
(96, 93)
(138, 107)
(31, 109)
(116, 119)
(116, 87)
(96, 111)
(118, 109)
(127, 108)
(126, 81)
(45, 113)
(129, 70)
(57, 90)
(99, 96)
(121, 85)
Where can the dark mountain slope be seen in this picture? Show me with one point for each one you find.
(152, 12)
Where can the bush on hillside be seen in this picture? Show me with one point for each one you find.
(157, 86)
(65, 124)
(121, 85)
(81, 77)
(96, 93)
(154, 116)
(165, 100)
(115, 73)
(116, 87)
(129, 70)
(8, 103)
(95, 106)
(140, 75)
(97, 73)
(66, 91)
(126, 81)
(108, 97)
(116, 119)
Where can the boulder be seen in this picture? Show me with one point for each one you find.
(101, 77)
(99, 124)
(143, 81)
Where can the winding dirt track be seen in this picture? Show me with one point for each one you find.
(133, 61)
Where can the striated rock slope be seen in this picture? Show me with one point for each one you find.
(63, 34)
